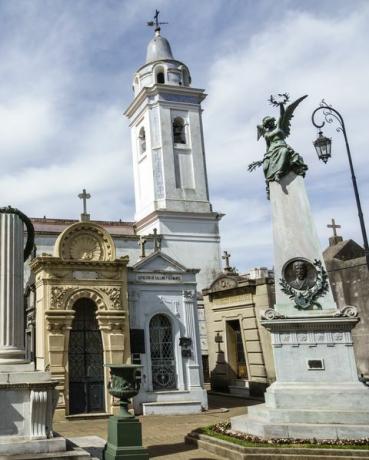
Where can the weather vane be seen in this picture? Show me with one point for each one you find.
(156, 22)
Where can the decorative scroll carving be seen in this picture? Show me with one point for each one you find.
(224, 283)
(270, 313)
(349, 311)
(114, 295)
(58, 296)
(56, 327)
(189, 295)
(116, 327)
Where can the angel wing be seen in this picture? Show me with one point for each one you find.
(260, 132)
(285, 118)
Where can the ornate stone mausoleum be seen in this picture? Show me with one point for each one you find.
(81, 316)
(240, 353)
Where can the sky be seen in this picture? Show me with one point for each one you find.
(66, 78)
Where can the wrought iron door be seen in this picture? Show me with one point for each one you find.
(86, 371)
(162, 354)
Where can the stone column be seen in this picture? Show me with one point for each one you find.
(194, 366)
(294, 236)
(11, 289)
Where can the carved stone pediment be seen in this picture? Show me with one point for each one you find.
(223, 283)
(85, 241)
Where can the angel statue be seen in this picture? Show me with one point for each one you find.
(279, 158)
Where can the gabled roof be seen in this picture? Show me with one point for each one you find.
(158, 261)
(344, 250)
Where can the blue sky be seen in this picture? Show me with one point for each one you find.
(66, 73)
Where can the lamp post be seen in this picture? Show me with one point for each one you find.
(323, 149)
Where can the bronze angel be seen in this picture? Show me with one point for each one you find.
(280, 158)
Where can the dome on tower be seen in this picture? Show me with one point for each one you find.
(158, 49)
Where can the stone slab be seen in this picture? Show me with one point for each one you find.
(26, 446)
(268, 430)
(172, 407)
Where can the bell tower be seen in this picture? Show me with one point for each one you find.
(171, 189)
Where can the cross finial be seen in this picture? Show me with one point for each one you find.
(156, 22)
(333, 226)
(226, 257)
(84, 196)
(157, 240)
(141, 242)
(335, 239)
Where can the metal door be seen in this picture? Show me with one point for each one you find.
(162, 354)
(86, 371)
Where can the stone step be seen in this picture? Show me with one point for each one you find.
(324, 416)
(171, 407)
(74, 454)
(268, 430)
(239, 391)
(243, 383)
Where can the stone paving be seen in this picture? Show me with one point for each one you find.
(162, 435)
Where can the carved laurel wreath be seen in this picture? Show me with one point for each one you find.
(308, 298)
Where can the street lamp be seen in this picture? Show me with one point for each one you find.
(323, 148)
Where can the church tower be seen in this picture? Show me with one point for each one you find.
(171, 189)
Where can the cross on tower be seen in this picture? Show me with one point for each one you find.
(226, 257)
(141, 242)
(334, 226)
(156, 22)
(84, 196)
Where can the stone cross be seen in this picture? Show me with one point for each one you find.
(335, 239)
(334, 226)
(226, 257)
(84, 196)
(157, 240)
(141, 242)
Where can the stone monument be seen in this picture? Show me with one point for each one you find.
(317, 393)
(27, 397)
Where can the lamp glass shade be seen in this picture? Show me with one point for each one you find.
(323, 147)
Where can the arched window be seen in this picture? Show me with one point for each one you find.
(179, 131)
(160, 77)
(142, 140)
(162, 353)
(186, 77)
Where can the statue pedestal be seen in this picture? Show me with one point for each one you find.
(317, 393)
(124, 439)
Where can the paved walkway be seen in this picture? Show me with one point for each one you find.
(162, 435)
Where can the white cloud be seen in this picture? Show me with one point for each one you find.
(66, 78)
(302, 53)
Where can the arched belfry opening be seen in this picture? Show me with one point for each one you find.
(85, 361)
